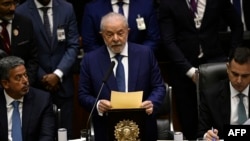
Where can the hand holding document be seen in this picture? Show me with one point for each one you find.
(126, 100)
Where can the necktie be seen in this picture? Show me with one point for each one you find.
(16, 123)
(46, 21)
(120, 76)
(242, 117)
(5, 36)
(193, 6)
(237, 6)
(120, 4)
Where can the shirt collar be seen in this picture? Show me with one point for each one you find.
(234, 92)
(115, 1)
(39, 5)
(9, 99)
(123, 53)
(10, 21)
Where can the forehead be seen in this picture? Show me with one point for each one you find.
(17, 70)
(240, 68)
(3, 1)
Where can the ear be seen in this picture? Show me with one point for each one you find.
(228, 65)
(5, 84)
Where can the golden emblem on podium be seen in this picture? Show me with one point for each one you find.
(126, 130)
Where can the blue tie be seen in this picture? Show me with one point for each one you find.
(120, 76)
(16, 123)
(46, 21)
(237, 6)
(242, 117)
(120, 4)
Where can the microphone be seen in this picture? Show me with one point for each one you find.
(104, 80)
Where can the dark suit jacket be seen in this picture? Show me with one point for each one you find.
(23, 45)
(246, 10)
(215, 108)
(56, 54)
(38, 119)
(144, 75)
(181, 38)
(93, 12)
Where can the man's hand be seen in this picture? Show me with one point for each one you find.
(51, 82)
(148, 105)
(212, 135)
(104, 106)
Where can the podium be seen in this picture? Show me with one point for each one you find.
(126, 124)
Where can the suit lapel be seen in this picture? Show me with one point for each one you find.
(26, 116)
(133, 69)
(104, 62)
(3, 120)
(38, 21)
(56, 18)
(225, 106)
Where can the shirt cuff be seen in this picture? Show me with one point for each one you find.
(191, 72)
(59, 73)
(99, 113)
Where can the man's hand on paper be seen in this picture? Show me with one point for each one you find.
(148, 105)
(104, 105)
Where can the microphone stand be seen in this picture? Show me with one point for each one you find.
(98, 95)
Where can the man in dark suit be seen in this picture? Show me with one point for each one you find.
(134, 10)
(36, 116)
(141, 74)
(20, 37)
(219, 103)
(190, 38)
(57, 51)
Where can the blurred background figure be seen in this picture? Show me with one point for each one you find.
(189, 30)
(57, 39)
(16, 37)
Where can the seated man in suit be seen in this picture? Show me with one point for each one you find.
(32, 119)
(219, 104)
(141, 73)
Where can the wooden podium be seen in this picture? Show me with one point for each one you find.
(126, 124)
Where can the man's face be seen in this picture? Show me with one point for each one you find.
(239, 75)
(7, 9)
(17, 85)
(115, 34)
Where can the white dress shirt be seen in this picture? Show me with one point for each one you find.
(125, 7)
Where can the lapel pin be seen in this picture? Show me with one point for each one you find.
(15, 32)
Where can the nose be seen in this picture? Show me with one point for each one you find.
(115, 37)
(13, 7)
(239, 79)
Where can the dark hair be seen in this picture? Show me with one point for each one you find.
(240, 55)
(8, 63)
(3, 54)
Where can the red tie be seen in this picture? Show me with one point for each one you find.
(5, 36)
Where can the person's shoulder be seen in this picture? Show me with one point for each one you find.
(41, 94)
(139, 47)
(97, 3)
(218, 88)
